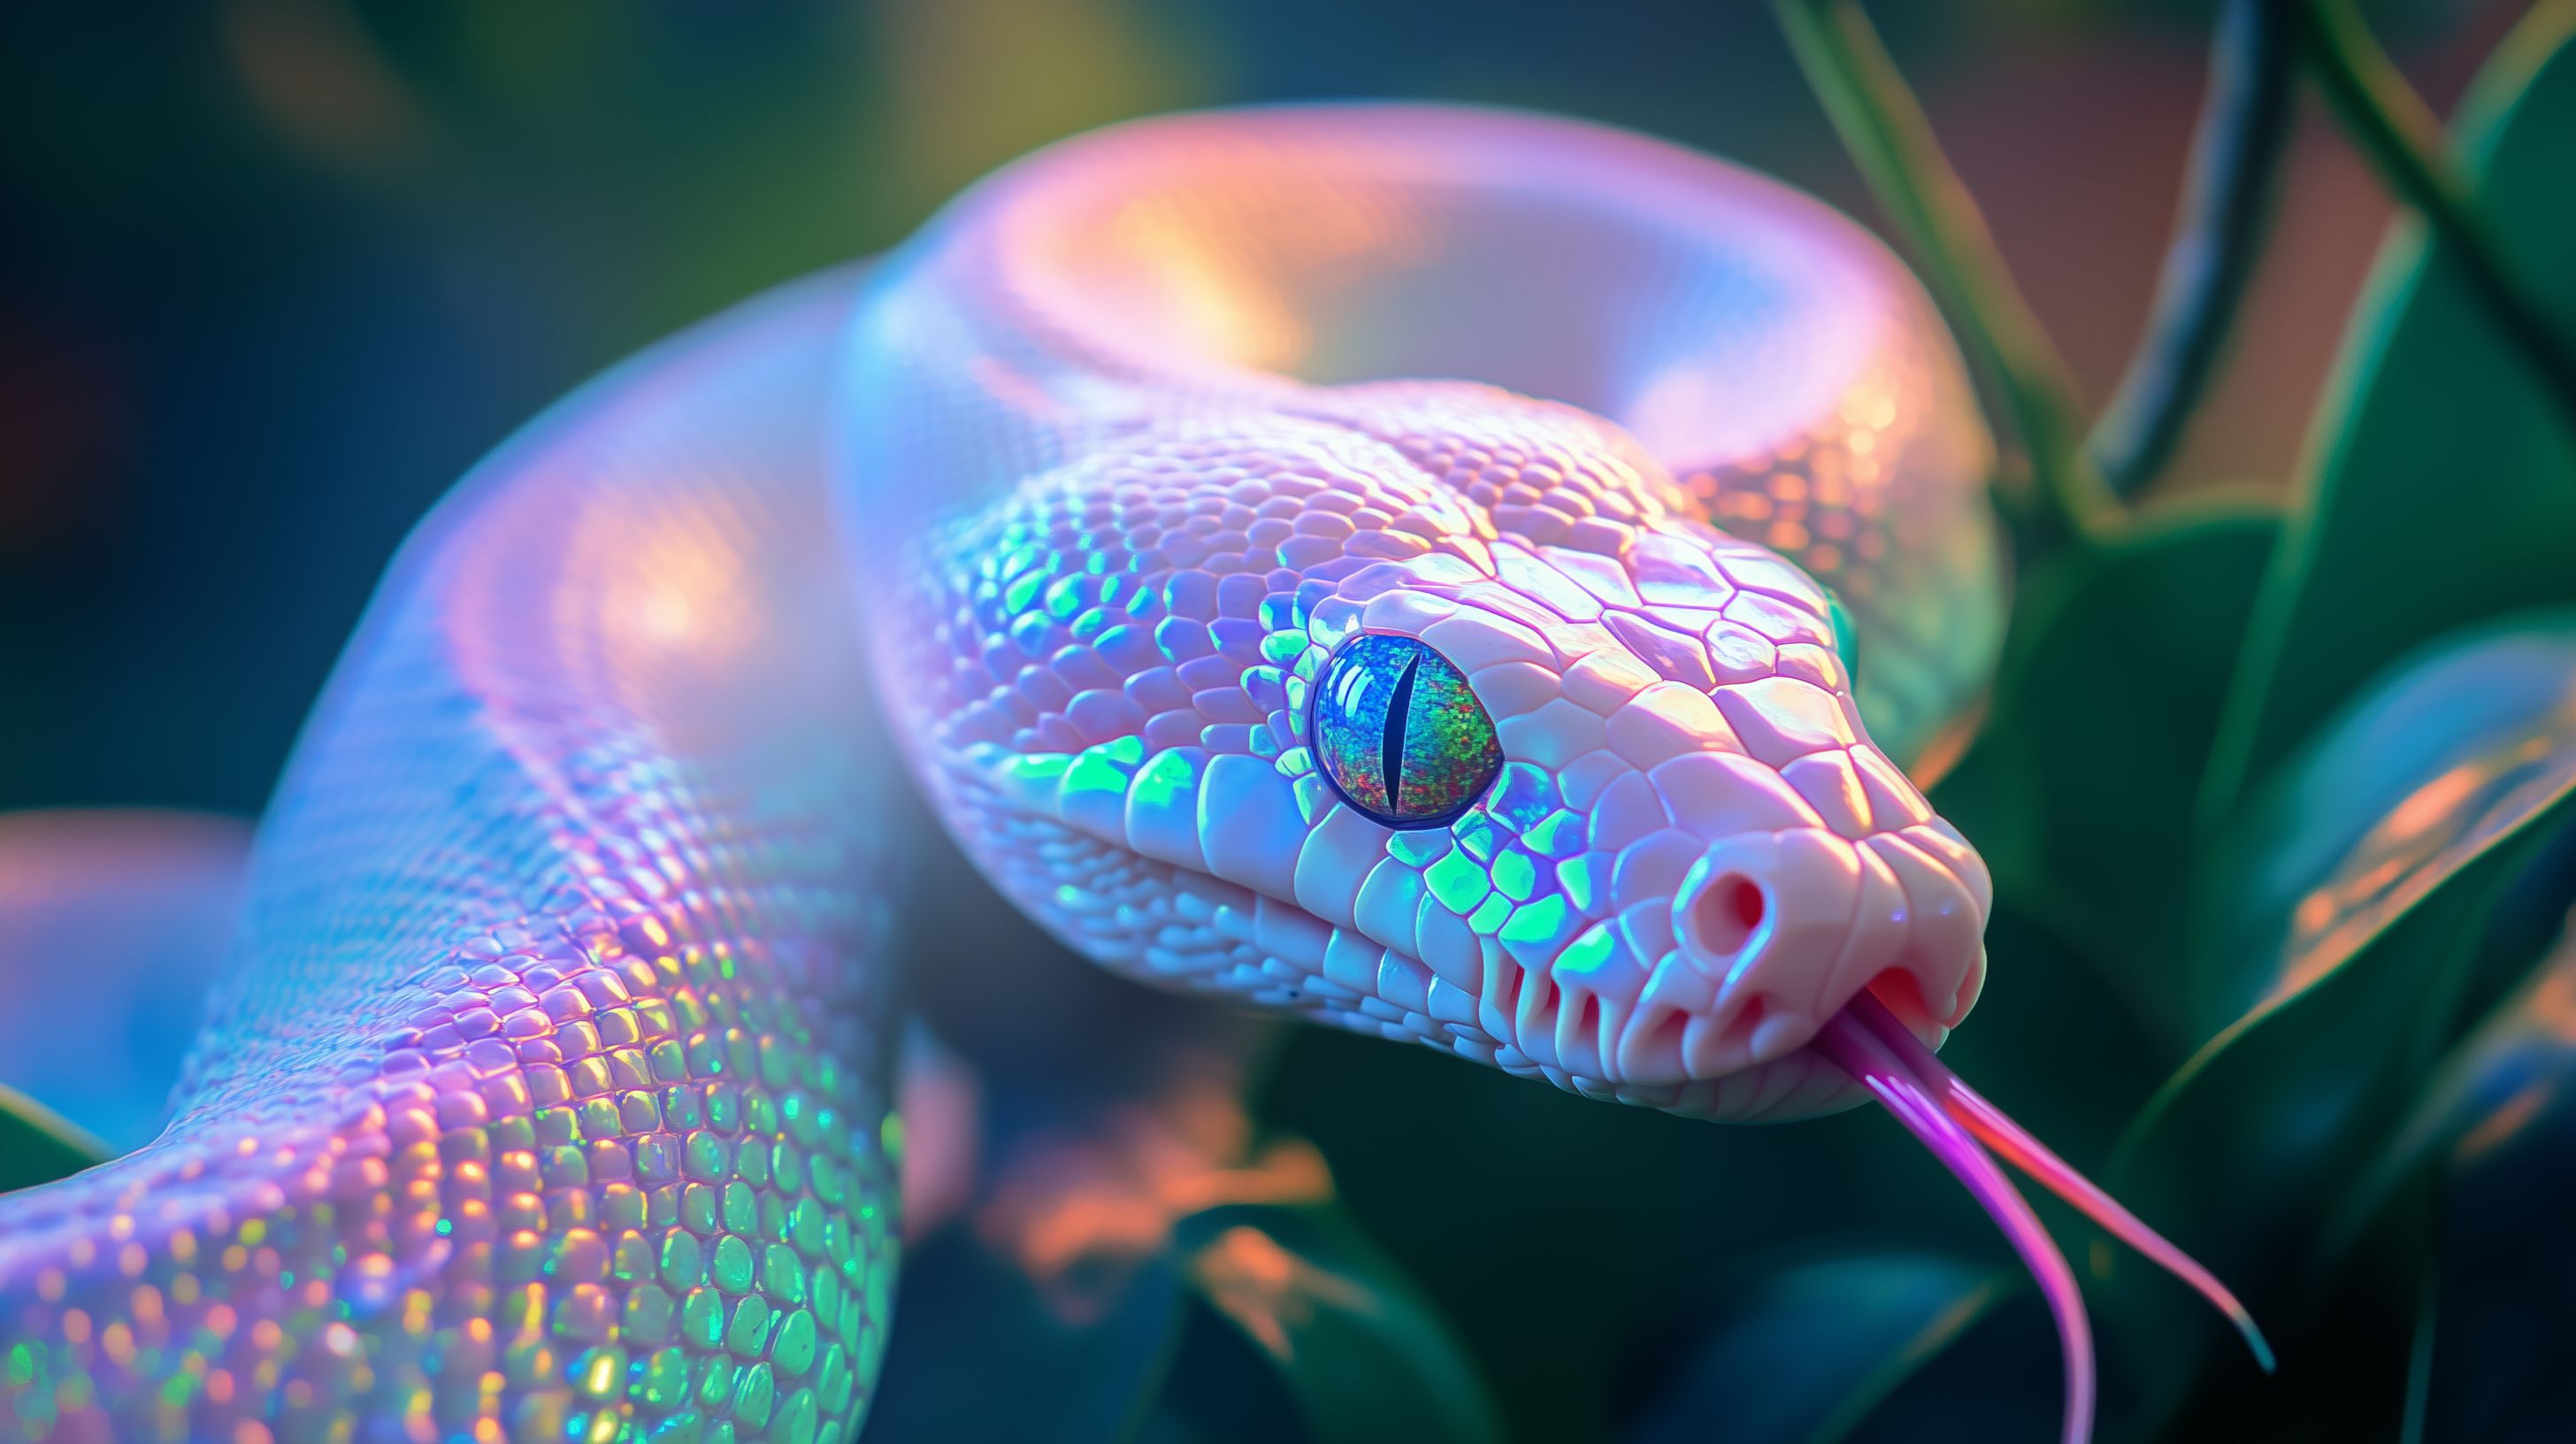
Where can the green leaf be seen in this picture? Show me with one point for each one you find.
(1056, 1269)
(1805, 1354)
(2497, 1133)
(2506, 1299)
(2441, 476)
(38, 1145)
(2347, 911)
(1363, 1353)
(2078, 790)
(1614, 1220)
(2444, 760)
(2054, 1042)
(1077, 1376)
(2441, 759)
(2498, 1087)
(1891, 141)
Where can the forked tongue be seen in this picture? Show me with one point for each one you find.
(1866, 1041)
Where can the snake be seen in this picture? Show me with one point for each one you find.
(1470, 577)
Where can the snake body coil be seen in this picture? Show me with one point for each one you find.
(1248, 619)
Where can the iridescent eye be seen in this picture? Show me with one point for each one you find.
(1399, 733)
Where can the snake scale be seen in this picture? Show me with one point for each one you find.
(1394, 565)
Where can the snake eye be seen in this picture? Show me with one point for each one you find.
(1400, 735)
(1846, 635)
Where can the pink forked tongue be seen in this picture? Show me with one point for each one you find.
(1883, 1055)
(1857, 1049)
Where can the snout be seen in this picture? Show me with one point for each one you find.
(1784, 928)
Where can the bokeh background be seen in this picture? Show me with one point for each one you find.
(273, 273)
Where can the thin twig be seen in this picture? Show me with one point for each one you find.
(1884, 128)
(2227, 203)
(2399, 134)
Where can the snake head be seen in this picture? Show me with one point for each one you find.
(1436, 712)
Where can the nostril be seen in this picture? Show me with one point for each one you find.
(1725, 915)
(1747, 901)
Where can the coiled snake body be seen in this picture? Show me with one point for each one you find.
(1245, 617)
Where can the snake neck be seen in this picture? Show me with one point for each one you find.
(554, 1042)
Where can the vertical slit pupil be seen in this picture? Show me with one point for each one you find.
(1390, 756)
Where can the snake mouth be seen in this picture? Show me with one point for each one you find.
(1791, 925)
(1694, 980)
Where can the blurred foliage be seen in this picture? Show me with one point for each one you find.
(2434, 438)
(2497, 1136)
(2104, 707)
(36, 1146)
(1074, 1380)
(1810, 1349)
(2276, 793)
(1366, 1357)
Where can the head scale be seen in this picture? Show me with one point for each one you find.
(1635, 838)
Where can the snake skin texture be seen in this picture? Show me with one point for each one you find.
(545, 1091)
(1124, 484)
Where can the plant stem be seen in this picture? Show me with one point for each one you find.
(2391, 125)
(2227, 203)
(1884, 129)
